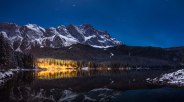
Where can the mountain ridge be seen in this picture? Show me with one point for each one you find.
(25, 37)
(85, 43)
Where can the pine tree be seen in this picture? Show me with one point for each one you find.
(3, 59)
(11, 59)
(182, 60)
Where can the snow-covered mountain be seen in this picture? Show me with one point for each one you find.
(25, 37)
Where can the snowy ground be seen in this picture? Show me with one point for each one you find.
(174, 78)
(4, 76)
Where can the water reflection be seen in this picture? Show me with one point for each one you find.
(62, 75)
(56, 74)
(26, 83)
(69, 73)
(56, 69)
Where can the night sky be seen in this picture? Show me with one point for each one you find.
(135, 22)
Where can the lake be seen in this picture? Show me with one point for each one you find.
(89, 85)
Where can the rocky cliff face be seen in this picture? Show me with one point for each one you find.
(31, 35)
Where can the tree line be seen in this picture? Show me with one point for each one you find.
(10, 59)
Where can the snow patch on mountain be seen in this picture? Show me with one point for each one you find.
(4, 34)
(35, 27)
(89, 37)
(101, 46)
(111, 55)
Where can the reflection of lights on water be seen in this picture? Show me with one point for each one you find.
(56, 74)
(56, 68)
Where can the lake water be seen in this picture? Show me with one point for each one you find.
(88, 85)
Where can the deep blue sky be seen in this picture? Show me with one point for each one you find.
(134, 22)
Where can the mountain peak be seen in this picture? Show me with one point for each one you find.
(34, 27)
(24, 37)
(87, 25)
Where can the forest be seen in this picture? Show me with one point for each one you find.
(10, 59)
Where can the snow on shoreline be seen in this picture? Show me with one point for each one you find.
(4, 76)
(174, 78)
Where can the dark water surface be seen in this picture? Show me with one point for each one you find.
(130, 85)
(152, 95)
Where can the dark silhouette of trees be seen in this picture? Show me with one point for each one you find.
(6, 53)
(10, 59)
(24, 60)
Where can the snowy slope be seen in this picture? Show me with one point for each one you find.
(4, 76)
(31, 35)
(174, 78)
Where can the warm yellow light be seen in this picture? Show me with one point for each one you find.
(56, 68)
(49, 63)
(56, 74)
